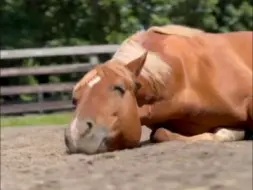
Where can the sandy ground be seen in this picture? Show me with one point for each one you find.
(33, 158)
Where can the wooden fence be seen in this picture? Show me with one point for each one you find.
(42, 105)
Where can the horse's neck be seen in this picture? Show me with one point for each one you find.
(155, 91)
(151, 90)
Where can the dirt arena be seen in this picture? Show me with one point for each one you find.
(33, 158)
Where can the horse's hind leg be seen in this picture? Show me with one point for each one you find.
(225, 134)
(221, 135)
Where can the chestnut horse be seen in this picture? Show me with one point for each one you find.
(182, 83)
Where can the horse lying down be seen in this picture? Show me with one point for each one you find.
(182, 83)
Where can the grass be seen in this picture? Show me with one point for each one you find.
(36, 119)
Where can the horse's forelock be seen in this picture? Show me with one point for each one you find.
(84, 81)
(120, 69)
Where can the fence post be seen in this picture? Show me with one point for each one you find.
(40, 101)
(94, 60)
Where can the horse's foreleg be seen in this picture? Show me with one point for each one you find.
(221, 135)
(144, 114)
(162, 135)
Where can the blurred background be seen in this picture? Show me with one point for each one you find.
(46, 46)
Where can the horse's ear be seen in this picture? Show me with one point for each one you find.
(136, 65)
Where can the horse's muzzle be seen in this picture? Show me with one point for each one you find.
(83, 136)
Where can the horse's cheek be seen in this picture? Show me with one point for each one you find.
(131, 126)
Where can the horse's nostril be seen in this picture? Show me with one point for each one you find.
(89, 124)
(86, 127)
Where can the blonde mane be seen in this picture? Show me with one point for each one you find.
(154, 68)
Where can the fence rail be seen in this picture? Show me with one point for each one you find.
(29, 89)
(58, 51)
(36, 107)
(43, 105)
(45, 70)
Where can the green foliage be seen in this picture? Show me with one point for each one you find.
(40, 23)
(28, 23)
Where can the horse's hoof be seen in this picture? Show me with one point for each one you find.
(152, 137)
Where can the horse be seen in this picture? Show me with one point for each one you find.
(184, 83)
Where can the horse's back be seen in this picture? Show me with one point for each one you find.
(242, 44)
(232, 58)
(222, 61)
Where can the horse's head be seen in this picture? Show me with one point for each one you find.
(106, 115)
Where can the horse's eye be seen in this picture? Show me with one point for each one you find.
(119, 88)
(137, 86)
(74, 101)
